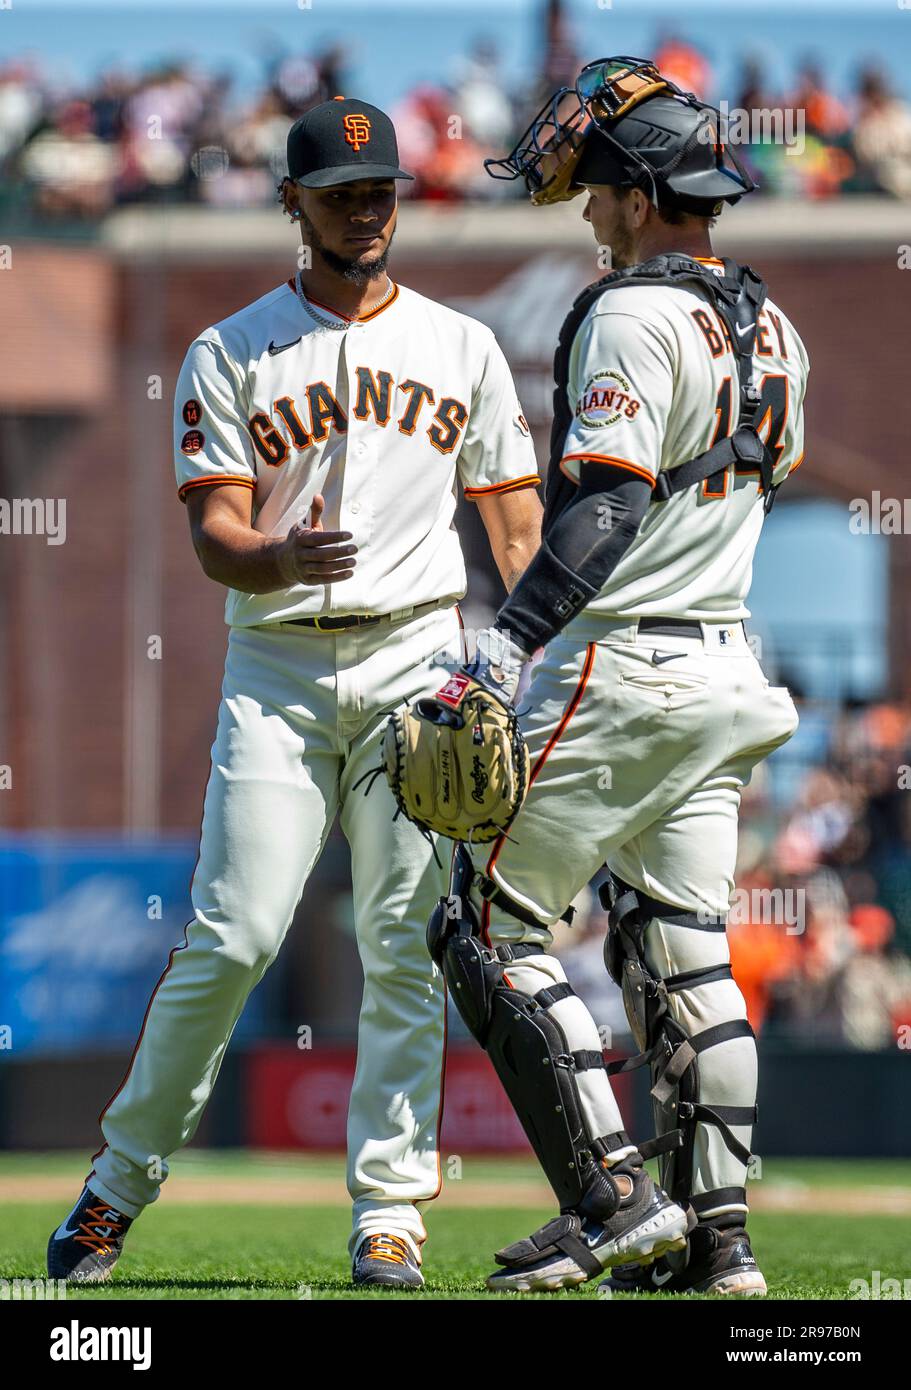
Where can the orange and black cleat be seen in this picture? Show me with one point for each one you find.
(88, 1244)
(386, 1261)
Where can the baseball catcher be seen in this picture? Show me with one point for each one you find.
(678, 413)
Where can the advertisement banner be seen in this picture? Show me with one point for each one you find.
(86, 928)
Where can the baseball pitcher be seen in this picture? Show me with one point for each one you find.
(678, 414)
(320, 436)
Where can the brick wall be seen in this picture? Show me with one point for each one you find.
(72, 617)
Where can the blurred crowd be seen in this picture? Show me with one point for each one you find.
(820, 926)
(181, 133)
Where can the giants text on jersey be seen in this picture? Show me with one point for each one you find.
(383, 415)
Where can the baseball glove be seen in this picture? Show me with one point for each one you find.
(457, 762)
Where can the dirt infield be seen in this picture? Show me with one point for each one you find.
(264, 1190)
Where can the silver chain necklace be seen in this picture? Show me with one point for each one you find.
(332, 323)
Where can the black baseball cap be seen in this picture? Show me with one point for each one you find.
(340, 141)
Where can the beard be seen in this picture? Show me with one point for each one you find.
(621, 247)
(355, 269)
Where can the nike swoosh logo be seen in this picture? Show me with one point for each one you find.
(742, 332)
(63, 1231)
(659, 1279)
(667, 656)
(274, 350)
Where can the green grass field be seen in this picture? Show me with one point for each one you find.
(235, 1226)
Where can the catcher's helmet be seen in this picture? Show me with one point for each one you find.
(626, 125)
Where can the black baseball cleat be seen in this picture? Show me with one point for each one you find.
(387, 1262)
(86, 1247)
(572, 1248)
(716, 1262)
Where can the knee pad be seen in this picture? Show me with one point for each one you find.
(670, 1052)
(472, 970)
(528, 1050)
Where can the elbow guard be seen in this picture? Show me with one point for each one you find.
(575, 560)
(547, 596)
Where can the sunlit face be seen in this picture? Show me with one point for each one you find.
(610, 215)
(350, 224)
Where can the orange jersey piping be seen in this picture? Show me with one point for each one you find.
(542, 757)
(511, 485)
(213, 480)
(613, 462)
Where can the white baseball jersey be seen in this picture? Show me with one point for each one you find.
(652, 383)
(381, 414)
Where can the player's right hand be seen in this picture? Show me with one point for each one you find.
(310, 555)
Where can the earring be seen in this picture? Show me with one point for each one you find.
(296, 215)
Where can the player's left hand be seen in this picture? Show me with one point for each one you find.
(456, 762)
(497, 663)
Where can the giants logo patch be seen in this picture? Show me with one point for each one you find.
(606, 399)
(357, 129)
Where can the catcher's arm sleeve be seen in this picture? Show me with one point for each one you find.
(620, 388)
(577, 557)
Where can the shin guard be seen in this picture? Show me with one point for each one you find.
(672, 1053)
(528, 1048)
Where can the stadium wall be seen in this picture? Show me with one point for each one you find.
(812, 1103)
(101, 737)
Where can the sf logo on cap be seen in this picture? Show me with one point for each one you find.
(357, 129)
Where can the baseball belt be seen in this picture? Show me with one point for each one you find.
(324, 623)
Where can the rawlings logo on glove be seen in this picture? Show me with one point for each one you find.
(456, 761)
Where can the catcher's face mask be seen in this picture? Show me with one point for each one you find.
(547, 154)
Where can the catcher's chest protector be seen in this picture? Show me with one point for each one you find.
(738, 296)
